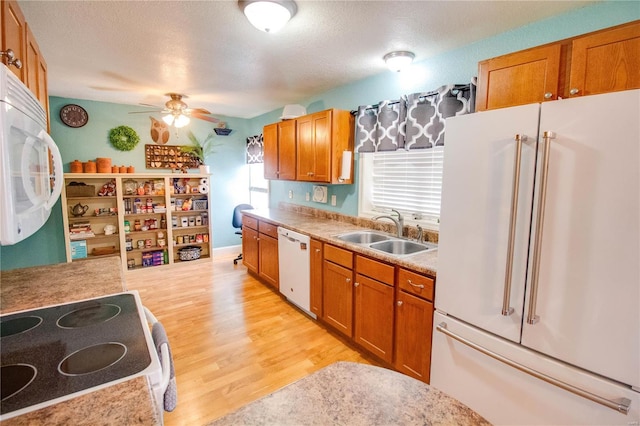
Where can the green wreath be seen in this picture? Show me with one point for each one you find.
(123, 138)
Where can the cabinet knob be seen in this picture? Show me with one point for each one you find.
(574, 91)
(11, 58)
(356, 284)
(548, 95)
(348, 280)
(309, 173)
(399, 302)
(317, 250)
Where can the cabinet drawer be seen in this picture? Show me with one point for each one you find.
(416, 284)
(374, 269)
(337, 255)
(268, 229)
(250, 222)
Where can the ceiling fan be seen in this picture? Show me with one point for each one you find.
(178, 113)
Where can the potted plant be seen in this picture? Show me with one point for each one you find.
(200, 149)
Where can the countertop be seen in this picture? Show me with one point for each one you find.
(325, 226)
(130, 402)
(348, 393)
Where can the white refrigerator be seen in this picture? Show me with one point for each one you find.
(538, 290)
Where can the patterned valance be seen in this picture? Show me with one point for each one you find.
(414, 121)
(255, 149)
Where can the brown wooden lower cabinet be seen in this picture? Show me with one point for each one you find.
(268, 260)
(260, 249)
(316, 278)
(374, 317)
(338, 297)
(250, 254)
(414, 324)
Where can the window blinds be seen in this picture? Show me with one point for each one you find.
(409, 181)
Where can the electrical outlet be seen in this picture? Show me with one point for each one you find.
(307, 196)
(334, 200)
(290, 194)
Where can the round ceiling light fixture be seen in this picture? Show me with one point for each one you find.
(398, 61)
(268, 15)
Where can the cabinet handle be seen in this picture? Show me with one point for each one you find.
(421, 286)
(11, 58)
(574, 91)
(548, 95)
(309, 173)
(317, 250)
(399, 302)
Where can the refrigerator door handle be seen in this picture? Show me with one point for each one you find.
(506, 299)
(621, 404)
(532, 318)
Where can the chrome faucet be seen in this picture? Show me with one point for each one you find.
(399, 221)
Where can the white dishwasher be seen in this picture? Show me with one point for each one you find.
(294, 268)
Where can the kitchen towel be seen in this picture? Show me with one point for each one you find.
(159, 336)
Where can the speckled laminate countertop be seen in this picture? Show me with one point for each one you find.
(348, 393)
(326, 226)
(130, 402)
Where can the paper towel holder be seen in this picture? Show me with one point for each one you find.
(345, 166)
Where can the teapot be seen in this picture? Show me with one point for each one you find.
(79, 210)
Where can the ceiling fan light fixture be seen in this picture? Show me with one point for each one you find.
(399, 60)
(181, 121)
(268, 15)
(168, 119)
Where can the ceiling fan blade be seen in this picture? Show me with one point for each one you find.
(205, 118)
(199, 111)
(145, 112)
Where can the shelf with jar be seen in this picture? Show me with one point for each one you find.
(148, 219)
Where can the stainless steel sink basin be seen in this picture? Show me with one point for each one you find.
(363, 237)
(401, 247)
(386, 243)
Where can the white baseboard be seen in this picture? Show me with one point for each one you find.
(227, 251)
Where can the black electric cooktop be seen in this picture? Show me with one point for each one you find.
(53, 352)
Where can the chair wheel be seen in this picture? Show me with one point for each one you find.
(235, 261)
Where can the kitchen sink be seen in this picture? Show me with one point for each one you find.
(363, 237)
(386, 243)
(402, 247)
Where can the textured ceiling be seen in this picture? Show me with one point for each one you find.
(133, 52)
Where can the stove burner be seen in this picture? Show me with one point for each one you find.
(88, 316)
(92, 358)
(18, 325)
(14, 378)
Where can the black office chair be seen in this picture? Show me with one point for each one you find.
(236, 221)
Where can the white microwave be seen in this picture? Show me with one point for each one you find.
(30, 183)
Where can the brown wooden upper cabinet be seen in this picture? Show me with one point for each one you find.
(280, 150)
(17, 36)
(309, 148)
(603, 61)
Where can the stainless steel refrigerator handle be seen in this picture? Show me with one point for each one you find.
(621, 404)
(532, 318)
(506, 298)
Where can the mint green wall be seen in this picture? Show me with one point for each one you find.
(229, 175)
(229, 180)
(457, 66)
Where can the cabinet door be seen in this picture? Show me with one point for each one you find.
(316, 277)
(414, 323)
(268, 260)
(14, 35)
(314, 147)
(250, 249)
(270, 155)
(287, 150)
(607, 61)
(374, 316)
(338, 298)
(519, 78)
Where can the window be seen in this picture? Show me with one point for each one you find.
(258, 187)
(408, 181)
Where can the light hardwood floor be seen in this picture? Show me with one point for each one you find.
(233, 339)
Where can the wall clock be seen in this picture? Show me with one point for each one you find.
(74, 115)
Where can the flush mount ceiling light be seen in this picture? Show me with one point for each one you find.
(268, 15)
(398, 61)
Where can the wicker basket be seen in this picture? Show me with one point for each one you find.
(81, 190)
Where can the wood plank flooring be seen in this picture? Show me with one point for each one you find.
(233, 339)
